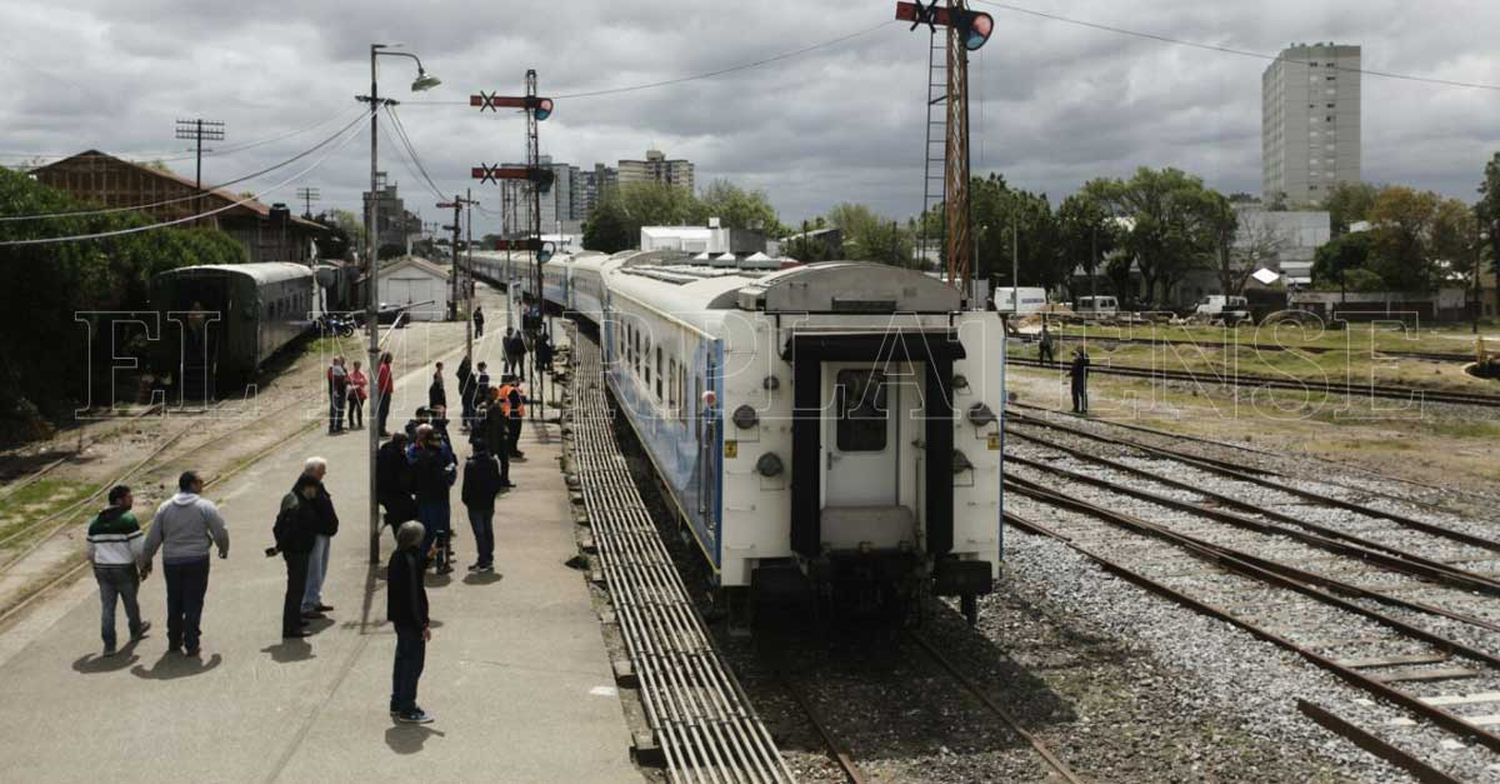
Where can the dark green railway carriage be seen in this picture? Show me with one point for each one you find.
(221, 322)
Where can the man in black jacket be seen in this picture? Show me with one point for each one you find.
(493, 433)
(406, 609)
(393, 482)
(297, 526)
(327, 527)
(481, 484)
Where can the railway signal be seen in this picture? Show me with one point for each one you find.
(540, 107)
(542, 176)
(543, 250)
(975, 26)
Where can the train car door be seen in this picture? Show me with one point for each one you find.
(860, 436)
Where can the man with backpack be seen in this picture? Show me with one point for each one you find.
(433, 471)
(481, 485)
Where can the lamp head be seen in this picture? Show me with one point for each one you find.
(424, 81)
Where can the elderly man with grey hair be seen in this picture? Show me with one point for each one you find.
(406, 609)
(326, 525)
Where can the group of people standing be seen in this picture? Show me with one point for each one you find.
(348, 388)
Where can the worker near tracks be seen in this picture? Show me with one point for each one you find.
(359, 389)
(478, 321)
(393, 482)
(406, 609)
(313, 472)
(433, 471)
(385, 385)
(296, 533)
(185, 527)
(1046, 347)
(436, 395)
(1079, 372)
(513, 406)
(481, 485)
(115, 544)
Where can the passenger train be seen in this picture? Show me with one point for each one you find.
(831, 425)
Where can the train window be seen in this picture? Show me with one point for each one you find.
(646, 363)
(672, 386)
(697, 397)
(658, 374)
(861, 411)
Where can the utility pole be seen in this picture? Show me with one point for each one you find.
(469, 270)
(199, 131)
(1015, 265)
(308, 196)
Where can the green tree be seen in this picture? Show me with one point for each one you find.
(618, 218)
(1086, 233)
(1171, 219)
(738, 208)
(869, 236)
(1418, 237)
(1337, 258)
(1487, 211)
(1348, 203)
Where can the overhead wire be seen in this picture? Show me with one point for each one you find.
(137, 207)
(348, 136)
(412, 150)
(1229, 49)
(703, 75)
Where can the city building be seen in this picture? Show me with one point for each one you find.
(656, 168)
(591, 186)
(712, 239)
(1310, 123)
(268, 232)
(398, 226)
(1284, 242)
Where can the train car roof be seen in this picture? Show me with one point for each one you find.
(262, 273)
(848, 287)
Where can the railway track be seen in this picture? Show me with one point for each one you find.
(1433, 356)
(1237, 380)
(700, 718)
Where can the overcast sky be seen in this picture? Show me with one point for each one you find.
(1055, 103)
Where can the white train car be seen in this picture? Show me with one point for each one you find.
(834, 424)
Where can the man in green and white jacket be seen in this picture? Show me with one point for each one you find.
(115, 544)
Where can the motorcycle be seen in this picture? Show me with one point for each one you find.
(332, 324)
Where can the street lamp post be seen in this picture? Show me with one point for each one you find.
(372, 271)
(1474, 304)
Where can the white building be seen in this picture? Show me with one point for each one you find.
(712, 239)
(1310, 122)
(416, 282)
(1285, 242)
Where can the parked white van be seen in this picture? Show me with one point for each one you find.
(1101, 305)
(1033, 300)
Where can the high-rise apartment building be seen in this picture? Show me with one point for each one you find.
(1310, 137)
(656, 168)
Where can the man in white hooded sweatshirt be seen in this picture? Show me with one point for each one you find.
(184, 529)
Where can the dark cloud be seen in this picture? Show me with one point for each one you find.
(1054, 104)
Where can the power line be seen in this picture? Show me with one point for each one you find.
(1229, 49)
(697, 76)
(412, 150)
(237, 180)
(349, 136)
(394, 139)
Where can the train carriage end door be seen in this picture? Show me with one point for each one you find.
(860, 436)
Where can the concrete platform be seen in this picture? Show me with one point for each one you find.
(517, 674)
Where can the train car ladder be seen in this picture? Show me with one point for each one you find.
(935, 153)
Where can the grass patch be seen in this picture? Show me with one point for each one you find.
(38, 500)
(1358, 338)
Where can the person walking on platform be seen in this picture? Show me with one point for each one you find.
(406, 609)
(544, 352)
(358, 390)
(296, 532)
(393, 482)
(385, 384)
(436, 394)
(1045, 348)
(115, 544)
(478, 321)
(327, 521)
(514, 349)
(338, 391)
(433, 471)
(481, 485)
(185, 527)
(1079, 371)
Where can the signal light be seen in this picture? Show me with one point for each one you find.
(974, 26)
(540, 107)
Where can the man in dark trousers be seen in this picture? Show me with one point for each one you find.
(1079, 371)
(406, 609)
(478, 321)
(493, 432)
(513, 404)
(313, 472)
(115, 544)
(297, 527)
(186, 528)
(436, 395)
(544, 352)
(433, 471)
(465, 374)
(393, 482)
(1045, 352)
(481, 485)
